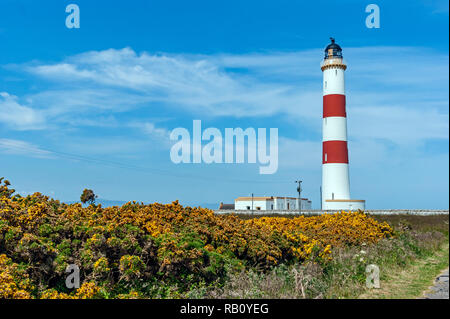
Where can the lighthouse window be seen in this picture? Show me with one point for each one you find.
(325, 157)
(335, 72)
(325, 84)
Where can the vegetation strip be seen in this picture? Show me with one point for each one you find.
(171, 251)
(411, 282)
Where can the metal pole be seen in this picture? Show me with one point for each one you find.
(320, 197)
(300, 196)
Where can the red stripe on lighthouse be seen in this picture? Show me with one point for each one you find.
(334, 105)
(334, 152)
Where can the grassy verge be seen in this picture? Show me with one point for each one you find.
(408, 264)
(412, 281)
(406, 270)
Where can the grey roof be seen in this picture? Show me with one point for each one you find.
(226, 206)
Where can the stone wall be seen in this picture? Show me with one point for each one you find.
(420, 212)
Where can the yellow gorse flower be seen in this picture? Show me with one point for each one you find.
(137, 241)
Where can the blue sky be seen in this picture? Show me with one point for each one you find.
(93, 107)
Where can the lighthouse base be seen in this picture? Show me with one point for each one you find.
(344, 204)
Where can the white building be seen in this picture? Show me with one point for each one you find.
(270, 203)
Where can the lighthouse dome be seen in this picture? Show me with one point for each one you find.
(333, 50)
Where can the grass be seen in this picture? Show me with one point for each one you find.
(408, 266)
(417, 223)
(411, 282)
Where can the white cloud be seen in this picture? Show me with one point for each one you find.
(398, 124)
(157, 132)
(11, 146)
(395, 93)
(199, 83)
(18, 116)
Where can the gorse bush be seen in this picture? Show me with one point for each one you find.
(137, 250)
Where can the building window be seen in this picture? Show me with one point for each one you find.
(272, 207)
(258, 208)
(248, 207)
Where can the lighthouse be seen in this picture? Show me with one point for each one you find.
(335, 163)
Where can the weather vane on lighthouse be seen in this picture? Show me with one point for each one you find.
(335, 164)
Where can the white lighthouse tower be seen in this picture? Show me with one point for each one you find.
(335, 175)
